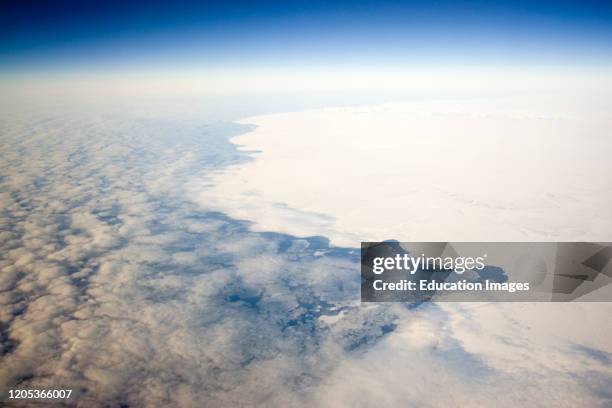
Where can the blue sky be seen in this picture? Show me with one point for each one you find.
(119, 34)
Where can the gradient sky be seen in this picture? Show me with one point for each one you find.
(68, 35)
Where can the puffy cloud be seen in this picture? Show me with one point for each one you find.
(115, 284)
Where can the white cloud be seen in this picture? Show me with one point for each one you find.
(114, 284)
(520, 168)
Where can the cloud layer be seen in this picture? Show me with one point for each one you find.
(530, 167)
(115, 284)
